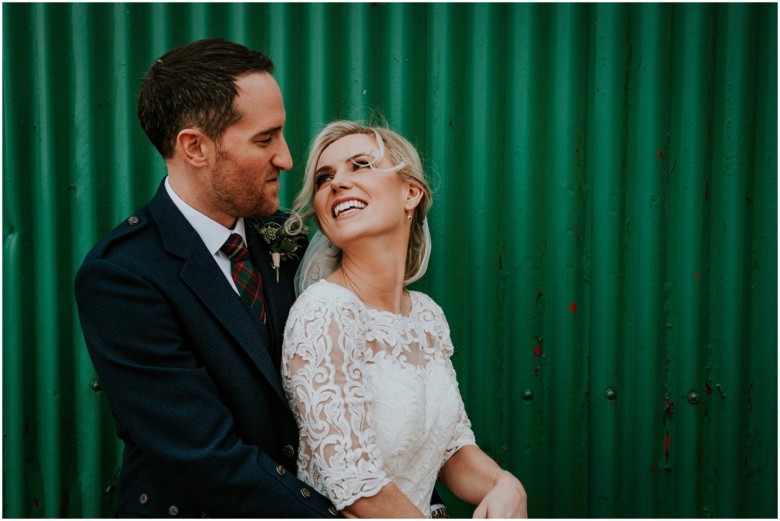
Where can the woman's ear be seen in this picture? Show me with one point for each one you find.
(414, 195)
(194, 146)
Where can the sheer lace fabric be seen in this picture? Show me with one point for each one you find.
(374, 395)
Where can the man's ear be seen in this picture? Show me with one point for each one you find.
(195, 147)
(413, 196)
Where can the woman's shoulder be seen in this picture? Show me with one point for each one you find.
(425, 303)
(324, 294)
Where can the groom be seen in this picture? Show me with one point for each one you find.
(184, 333)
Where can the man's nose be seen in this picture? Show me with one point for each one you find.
(282, 159)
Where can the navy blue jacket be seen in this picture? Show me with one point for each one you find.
(187, 372)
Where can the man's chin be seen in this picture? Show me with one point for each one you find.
(266, 210)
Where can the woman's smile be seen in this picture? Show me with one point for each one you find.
(348, 207)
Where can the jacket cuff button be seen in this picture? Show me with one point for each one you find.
(333, 510)
(305, 493)
(288, 451)
(280, 470)
(143, 499)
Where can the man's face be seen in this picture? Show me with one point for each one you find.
(251, 154)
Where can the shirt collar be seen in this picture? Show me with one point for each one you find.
(211, 232)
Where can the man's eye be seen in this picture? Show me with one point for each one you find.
(265, 141)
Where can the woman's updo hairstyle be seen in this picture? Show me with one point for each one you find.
(406, 164)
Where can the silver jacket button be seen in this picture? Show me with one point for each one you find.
(288, 451)
(143, 498)
(333, 510)
(173, 510)
(280, 470)
(305, 493)
(132, 220)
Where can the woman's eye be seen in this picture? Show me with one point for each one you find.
(361, 162)
(321, 178)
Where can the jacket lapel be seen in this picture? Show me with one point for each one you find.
(202, 275)
(279, 295)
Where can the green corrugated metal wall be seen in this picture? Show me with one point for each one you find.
(605, 228)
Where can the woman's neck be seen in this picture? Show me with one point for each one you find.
(376, 276)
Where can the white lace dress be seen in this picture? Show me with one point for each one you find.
(374, 395)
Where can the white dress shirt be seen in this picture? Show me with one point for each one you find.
(211, 232)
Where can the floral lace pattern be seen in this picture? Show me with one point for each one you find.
(374, 395)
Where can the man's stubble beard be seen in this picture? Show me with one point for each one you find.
(238, 200)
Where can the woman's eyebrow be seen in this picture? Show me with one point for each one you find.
(324, 168)
(359, 154)
(329, 168)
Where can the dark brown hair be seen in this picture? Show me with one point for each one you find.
(193, 86)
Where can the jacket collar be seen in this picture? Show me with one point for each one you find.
(202, 275)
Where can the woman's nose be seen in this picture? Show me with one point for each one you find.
(341, 180)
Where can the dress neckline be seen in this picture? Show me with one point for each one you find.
(374, 310)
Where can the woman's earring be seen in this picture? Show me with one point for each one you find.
(409, 216)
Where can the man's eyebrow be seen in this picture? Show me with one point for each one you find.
(268, 131)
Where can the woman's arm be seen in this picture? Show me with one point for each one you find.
(389, 503)
(323, 372)
(475, 478)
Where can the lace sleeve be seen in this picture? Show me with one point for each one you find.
(463, 434)
(323, 372)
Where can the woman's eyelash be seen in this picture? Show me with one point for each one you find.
(320, 178)
(359, 162)
(362, 161)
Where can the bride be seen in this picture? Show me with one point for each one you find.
(366, 364)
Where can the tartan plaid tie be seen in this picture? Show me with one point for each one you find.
(249, 285)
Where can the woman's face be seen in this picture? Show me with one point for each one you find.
(351, 199)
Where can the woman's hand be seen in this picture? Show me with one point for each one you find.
(507, 499)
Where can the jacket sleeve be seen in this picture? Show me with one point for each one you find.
(168, 406)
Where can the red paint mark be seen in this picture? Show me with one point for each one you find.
(537, 370)
(35, 503)
(707, 388)
(667, 442)
(573, 307)
(697, 276)
(660, 155)
(539, 294)
(538, 348)
(668, 408)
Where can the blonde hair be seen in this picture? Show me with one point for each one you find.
(407, 166)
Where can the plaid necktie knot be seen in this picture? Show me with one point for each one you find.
(249, 284)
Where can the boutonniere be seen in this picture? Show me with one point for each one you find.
(283, 245)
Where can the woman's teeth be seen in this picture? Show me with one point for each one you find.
(348, 205)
